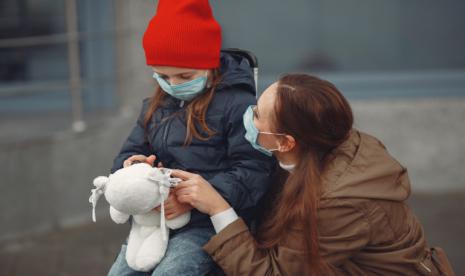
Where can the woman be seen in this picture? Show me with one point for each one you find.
(194, 122)
(339, 209)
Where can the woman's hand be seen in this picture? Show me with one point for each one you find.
(197, 192)
(173, 208)
(139, 158)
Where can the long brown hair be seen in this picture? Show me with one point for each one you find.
(195, 110)
(319, 118)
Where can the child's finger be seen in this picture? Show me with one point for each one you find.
(151, 160)
(170, 216)
(168, 206)
(138, 157)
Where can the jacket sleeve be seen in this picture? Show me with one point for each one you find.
(235, 250)
(248, 177)
(343, 231)
(136, 143)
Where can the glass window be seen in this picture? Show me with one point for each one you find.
(34, 66)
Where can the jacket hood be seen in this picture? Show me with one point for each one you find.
(236, 72)
(362, 168)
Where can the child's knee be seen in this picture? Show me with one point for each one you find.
(121, 268)
(188, 264)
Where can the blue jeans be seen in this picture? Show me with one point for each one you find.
(184, 255)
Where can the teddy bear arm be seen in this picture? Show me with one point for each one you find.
(178, 222)
(117, 216)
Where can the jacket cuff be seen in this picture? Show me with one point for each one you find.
(230, 231)
(223, 219)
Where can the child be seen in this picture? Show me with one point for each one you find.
(193, 122)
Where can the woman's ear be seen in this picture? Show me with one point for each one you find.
(287, 143)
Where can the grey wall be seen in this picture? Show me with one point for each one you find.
(347, 35)
(46, 182)
(134, 76)
(47, 170)
(426, 135)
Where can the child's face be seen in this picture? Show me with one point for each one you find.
(178, 75)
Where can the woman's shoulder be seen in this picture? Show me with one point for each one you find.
(362, 168)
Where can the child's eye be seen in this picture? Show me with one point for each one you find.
(163, 76)
(186, 77)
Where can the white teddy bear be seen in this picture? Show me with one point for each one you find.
(136, 190)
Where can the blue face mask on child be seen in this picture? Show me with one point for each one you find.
(185, 91)
(252, 132)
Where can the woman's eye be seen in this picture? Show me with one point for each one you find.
(186, 77)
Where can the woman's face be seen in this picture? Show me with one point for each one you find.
(263, 117)
(178, 75)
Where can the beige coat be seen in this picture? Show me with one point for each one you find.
(365, 227)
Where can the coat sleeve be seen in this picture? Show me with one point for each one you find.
(235, 250)
(343, 231)
(136, 143)
(248, 177)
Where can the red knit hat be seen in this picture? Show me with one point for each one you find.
(183, 33)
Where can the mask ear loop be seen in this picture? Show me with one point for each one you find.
(272, 133)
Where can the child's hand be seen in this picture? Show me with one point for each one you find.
(139, 158)
(174, 208)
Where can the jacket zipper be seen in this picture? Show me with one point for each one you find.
(165, 137)
(166, 128)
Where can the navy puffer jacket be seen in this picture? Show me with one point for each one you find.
(227, 161)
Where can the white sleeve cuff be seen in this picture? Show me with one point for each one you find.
(223, 219)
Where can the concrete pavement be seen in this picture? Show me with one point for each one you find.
(91, 249)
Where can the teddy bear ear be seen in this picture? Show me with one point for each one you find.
(100, 181)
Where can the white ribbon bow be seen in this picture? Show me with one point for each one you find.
(165, 183)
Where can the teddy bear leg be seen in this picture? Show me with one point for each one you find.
(134, 243)
(151, 251)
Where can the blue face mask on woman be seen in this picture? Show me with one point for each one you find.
(185, 91)
(252, 132)
(251, 135)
